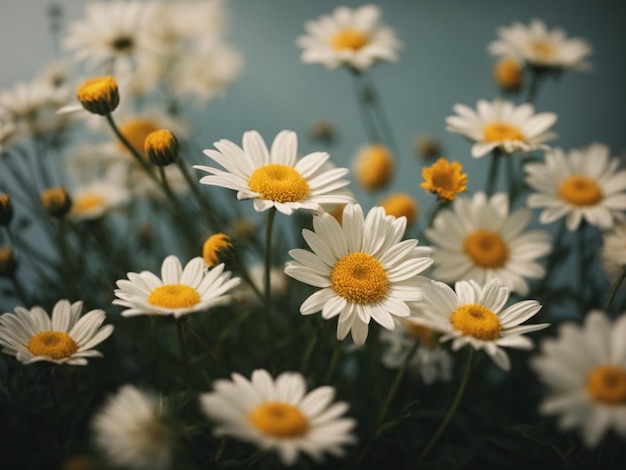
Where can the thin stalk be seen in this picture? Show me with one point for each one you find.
(333, 362)
(380, 113)
(368, 123)
(193, 185)
(535, 78)
(616, 284)
(493, 171)
(440, 205)
(394, 386)
(308, 353)
(183, 353)
(455, 404)
(267, 283)
(55, 401)
(21, 294)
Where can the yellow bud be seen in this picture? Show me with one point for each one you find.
(56, 201)
(508, 74)
(215, 247)
(426, 147)
(6, 209)
(161, 147)
(8, 264)
(401, 205)
(99, 95)
(373, 167)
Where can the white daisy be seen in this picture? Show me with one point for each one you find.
(584, 184)
(66, 338)
(95, 199)
(355, 38)
(179, 292)
(478, 239)
(475, 315)
(539, 47)
(585, 371)
(613, 253)
(500, 124)
(279, 415)
(362, 268)
(274, 178)
(430, 360)
(131, 431)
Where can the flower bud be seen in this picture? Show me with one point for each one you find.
(215, 248)
(8, 264)
(56, 201)
(161, 147)
(99, 95)
(6, 209)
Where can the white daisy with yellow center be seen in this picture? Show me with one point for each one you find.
(279, 415)
(584, 369)
(276, 178)
(584, 184)
(475, 315)
(502, 125)
(64, 338)
(539, 47)
(355, 38)
(478, 239)
(363, 269)
(178, 292)
(97, 198)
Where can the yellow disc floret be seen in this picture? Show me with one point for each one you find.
(445, 179)
(135, 132)
(359, 278)
(500, 131)
(401, 205)
(349, 39)
(99, 95)
(54, 344)
(580, 191)
(174, 296)
(278, 419)
(508, 74)
(477, 321)
(374, 167)
(213, 246)
(542, 50)
(486, 249)
(280, 183)
(87, 202)
(607, 385)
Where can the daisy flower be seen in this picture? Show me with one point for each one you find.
(475, 315)
(95, 199)
(63, 338)
(401, 205)
(613, 253)
(585, 371)
(444, 179)
(430, 360)
(275, 178)
(180, 291)
(479, 239)
(584, 184)
(279, 415)
(539, 47)
(362, 268)
(355, 38)
(130, 430)
(502, 125)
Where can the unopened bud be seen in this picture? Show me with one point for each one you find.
(56, 201)
(161, 147)
(99, 95)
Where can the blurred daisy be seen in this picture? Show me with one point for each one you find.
(475, 315)
(584, 184)
(274, 178)
(279, 415)
(445, 179)
(95, 199)
(362, 268)
(585, 370)
(401, 205)
(478, 239)
(373, 167)
(613, 252)
(131, 431)
(64, 338)
(500, 124)
(430, 360)
(539, 47)
(355, 38)
(178, 292)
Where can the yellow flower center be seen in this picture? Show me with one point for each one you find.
(401, 205)
(174, 296)
(499, 131)
(135, 131)
(97, 89)
(349, 38)
(580, 191)
(54, 344)
(425, 335)
(445, 179)
(280, 183)
(543, 50)
(374, 167)
(277, 419)
(212, 247)
(486, 249)
(87, 202)
(477, 321)
(359, 278)
(607, 384)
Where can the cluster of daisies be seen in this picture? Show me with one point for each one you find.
(357, 264)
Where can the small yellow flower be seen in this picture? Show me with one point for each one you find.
(161, 147)
(99, 95)
(374, 166)
(444, 179)
(135, 131)
(213, 246)
(401, 205)
(56, 201)
(6, 209)
(508, 74)
(8, 264)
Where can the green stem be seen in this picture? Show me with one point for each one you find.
(379, 112)
(368, 123)
(493, 171)
(446, 420)
(333, 362)
(306, 358)
(193, 185)
(616, 284)
(18, 289)
(536, 75)
(441, 203)
(267, 283)
(394, 386)
(183, 353)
